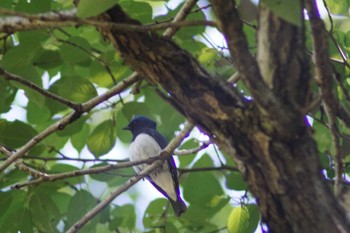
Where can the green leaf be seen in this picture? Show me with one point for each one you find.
(122, 121)
(204, 161)
(141, 11)
(322, 137)
(123, 217)
(76, 51)
(135, 108)
(7, 95)
(79, 139)
(17, 211)
(235, 181)
(54, 140)
(80, 204)
(48, 59)
(196, 215)
(5, 201)
(62, 201)
(288, 10)
(76, 89)
(9, 178)
(154, 213)
(37, 114)
(15, 134)
(338, 7)
(89, 8)
(74, 127)
(201, 188)
(189, 144)
(243, 219)
(102, 139)
(33, 6)
(20, 56)
(45, 214)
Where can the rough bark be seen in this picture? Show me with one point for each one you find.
(268, 137)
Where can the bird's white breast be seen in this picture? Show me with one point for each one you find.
(143, 147)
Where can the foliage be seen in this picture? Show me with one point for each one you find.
(78, 64)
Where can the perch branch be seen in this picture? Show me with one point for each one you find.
(89, 171)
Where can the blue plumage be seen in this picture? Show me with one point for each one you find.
(148, 142)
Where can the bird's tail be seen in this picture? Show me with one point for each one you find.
(179, 206)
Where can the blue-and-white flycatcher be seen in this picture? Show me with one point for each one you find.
(148, 142)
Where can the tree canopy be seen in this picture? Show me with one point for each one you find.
(266, 83)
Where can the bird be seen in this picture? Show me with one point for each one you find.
(148, 142)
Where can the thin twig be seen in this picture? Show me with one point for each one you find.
(12, 77)
(101, 61)
(193, 150)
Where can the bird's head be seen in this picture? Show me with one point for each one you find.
(140, 122)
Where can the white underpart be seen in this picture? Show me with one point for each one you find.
(143, 147)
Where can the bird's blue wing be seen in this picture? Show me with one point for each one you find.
(156, 136)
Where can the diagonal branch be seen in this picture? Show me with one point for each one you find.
(164, 154)
(61, 124)
(12, 77)
(20, 165)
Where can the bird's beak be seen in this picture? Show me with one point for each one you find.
(126, 128)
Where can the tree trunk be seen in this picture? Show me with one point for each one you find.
(268, 137)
